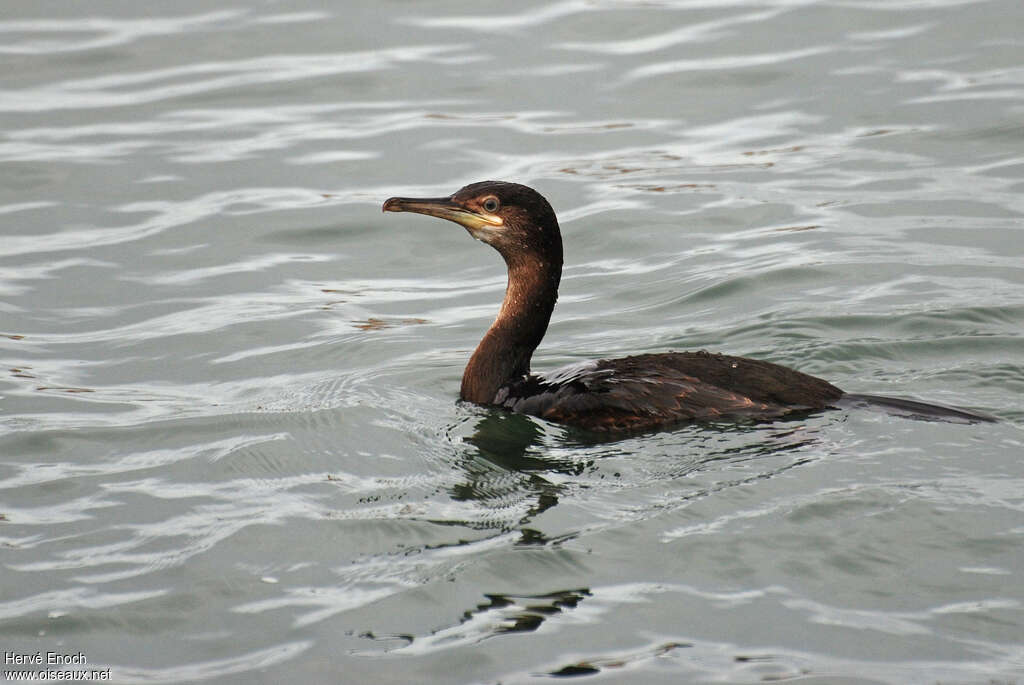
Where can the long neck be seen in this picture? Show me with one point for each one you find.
(505, 351)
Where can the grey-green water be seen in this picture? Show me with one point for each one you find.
(230, 448)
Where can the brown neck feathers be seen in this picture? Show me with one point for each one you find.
(505, 351)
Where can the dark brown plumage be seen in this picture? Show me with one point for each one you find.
(649, 390)
(632, 393)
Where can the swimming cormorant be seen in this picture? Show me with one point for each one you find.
(632, 393)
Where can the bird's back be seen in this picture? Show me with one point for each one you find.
(651, 390)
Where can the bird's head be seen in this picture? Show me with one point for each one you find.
(514, 219)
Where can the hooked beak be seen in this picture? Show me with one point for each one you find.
(480, 226)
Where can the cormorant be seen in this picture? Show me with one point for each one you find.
(631, 393)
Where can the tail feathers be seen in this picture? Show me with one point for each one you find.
(912, 409)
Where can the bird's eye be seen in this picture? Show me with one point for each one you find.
(491, 205)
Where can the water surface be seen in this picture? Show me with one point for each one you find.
(230, 447)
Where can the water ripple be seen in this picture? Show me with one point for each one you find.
(729, 62)
(692, 33)
(129, 89)
(104, 32)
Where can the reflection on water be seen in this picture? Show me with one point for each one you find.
(228, 387)
(503, 469)
(501, 614)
